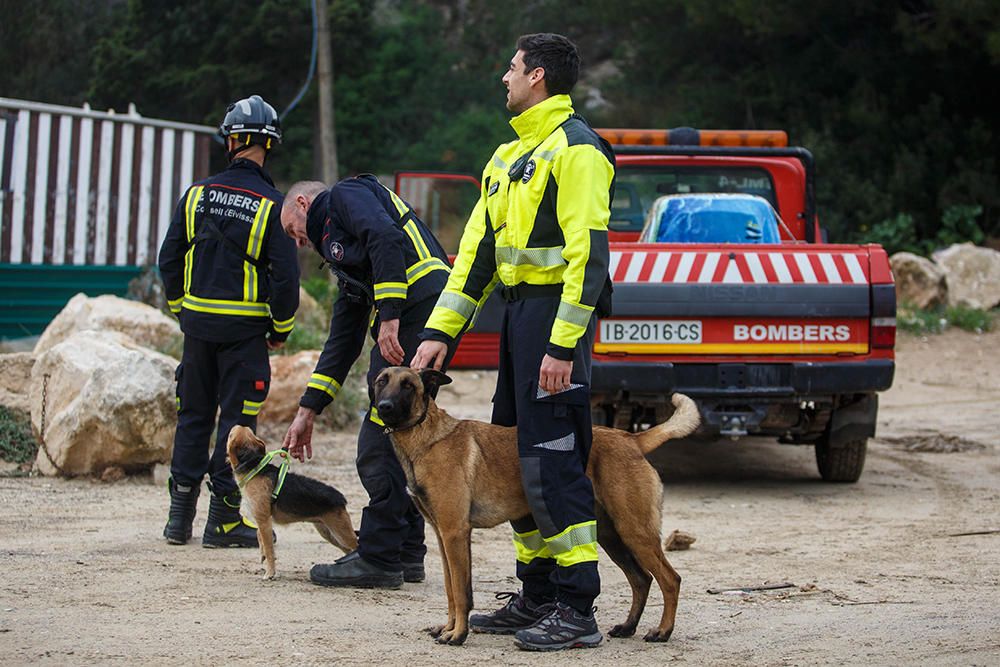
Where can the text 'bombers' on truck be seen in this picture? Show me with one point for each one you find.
(724, 290)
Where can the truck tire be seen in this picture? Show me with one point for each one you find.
(841, 462)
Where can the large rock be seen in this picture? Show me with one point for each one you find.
(919, 281)
(15, 379)
(289, 377)
(973, 275)
(107, 402)
(311, 314)
(144, 324)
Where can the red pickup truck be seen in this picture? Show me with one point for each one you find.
(789, 338)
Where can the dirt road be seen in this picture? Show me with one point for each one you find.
(86, 578)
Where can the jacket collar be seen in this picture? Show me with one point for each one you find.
(316, 219)
(243, 163)
(539, 121)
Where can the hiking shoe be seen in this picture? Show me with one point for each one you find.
(518, 613)
(226, 527)
(413, 573)
(564, 627)
(183, 505)
(354, 571)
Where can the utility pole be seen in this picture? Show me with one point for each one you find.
(324, 64)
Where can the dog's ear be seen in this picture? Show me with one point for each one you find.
(433, 379)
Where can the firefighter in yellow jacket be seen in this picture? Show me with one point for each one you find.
(539, 234)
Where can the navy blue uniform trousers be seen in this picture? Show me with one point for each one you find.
(230, 379)
(553, 442)
(392, 530)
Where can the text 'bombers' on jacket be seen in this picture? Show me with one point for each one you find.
(229, 270)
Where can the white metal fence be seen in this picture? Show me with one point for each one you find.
(89, 187)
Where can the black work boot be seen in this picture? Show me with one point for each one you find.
(183, 505)
(413, 573)
(564, 627)
(354, 571)
(226, 527)
(519, 612)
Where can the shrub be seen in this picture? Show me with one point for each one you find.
(17, 442)
(895, 234)
(958, 225)
(304, 337)
(320, 288)
(920, 322)
(969, 319)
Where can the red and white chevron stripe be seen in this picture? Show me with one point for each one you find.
(739, 267)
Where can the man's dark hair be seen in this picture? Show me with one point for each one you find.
(556, 55)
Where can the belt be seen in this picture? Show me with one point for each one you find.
(525, 291)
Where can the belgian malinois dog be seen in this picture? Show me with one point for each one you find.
(465, 474)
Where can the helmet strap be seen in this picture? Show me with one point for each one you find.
(245, 144)
(235, 152)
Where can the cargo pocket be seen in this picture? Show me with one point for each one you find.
(562, 401)
(256, 383)
(556, 418)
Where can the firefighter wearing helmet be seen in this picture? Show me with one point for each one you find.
(231, 277)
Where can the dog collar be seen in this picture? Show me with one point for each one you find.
(389, 429)
(264, 462)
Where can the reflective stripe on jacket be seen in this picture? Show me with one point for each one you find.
(228, 269)
(548, 225)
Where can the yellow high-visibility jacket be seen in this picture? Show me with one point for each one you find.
(541, 219)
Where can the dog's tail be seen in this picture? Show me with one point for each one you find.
(683, 422)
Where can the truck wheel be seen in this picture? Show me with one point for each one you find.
(842, 461)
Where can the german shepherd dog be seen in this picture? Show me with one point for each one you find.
(300, 499)
(466, 474)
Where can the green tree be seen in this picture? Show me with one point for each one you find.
(45, 51)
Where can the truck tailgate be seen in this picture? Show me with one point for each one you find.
(778, 300)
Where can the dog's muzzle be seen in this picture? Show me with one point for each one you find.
(388, 412)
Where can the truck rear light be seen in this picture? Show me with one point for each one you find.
(884, 332)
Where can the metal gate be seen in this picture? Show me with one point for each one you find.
(84, 188)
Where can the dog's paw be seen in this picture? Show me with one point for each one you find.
(268, 575)
(435, 630)
(452, 638)
(657, 635)
(622, 630)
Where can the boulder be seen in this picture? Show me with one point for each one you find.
(973, 275)
(146, 325)
(919, 281)
(289, 377)
(311, 314)
(107, 402)
(15, 379)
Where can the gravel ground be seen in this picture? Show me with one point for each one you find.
(878, 575)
